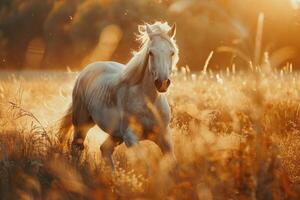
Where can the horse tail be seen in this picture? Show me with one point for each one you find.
(65, 126)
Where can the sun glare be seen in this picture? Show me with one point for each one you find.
(295, 4)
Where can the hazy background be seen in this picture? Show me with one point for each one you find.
(61, 34)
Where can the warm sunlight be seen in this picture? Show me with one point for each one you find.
(150, 99)
(295, 4)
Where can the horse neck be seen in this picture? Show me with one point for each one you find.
(147, 85)
(134, 70)
(138, 74)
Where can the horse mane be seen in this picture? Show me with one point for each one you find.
(135, 68)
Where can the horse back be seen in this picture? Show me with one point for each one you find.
(96, 80)
(95, 69)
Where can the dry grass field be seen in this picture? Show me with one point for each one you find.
(236, 136)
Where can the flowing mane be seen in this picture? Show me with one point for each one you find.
(135, 68)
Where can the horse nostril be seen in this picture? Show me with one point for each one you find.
(158, 83)
(168, 82)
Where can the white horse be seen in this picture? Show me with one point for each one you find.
(126, 101)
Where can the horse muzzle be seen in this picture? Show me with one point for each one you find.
(162, 85)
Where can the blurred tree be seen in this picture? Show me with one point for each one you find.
(19, 23)
(70, 29)
(59, 49)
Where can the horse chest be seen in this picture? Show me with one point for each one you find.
(142, 114)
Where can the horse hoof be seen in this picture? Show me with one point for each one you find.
(76, 151)
(77, 146)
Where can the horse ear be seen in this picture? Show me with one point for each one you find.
(141, 28)
(148, 29)
(172, 31)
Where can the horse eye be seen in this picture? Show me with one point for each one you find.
(150, 53)
(172, 53)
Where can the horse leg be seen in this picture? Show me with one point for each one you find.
(107, 149)
(82, 123)
(77, 145)
(130, 138)
(164, 141)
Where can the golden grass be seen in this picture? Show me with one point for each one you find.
(236, 136)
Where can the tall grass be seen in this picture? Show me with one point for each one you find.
(236, 136)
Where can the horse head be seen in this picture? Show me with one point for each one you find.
(162, 55)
